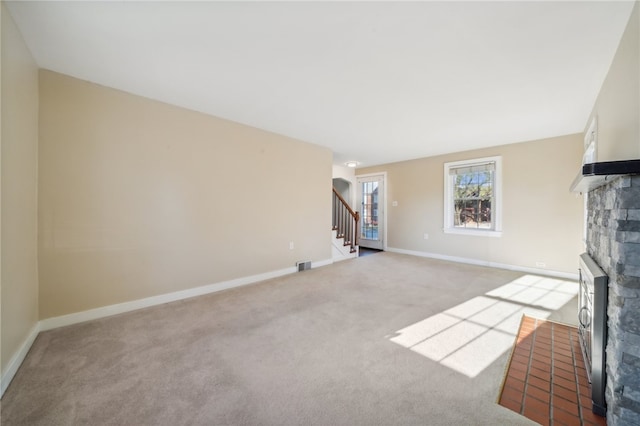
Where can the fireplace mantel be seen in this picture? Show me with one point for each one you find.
(594, 175)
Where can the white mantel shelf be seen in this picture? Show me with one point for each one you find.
(594, 175)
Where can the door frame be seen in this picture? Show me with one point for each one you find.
(384, 203)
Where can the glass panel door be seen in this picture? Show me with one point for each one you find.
(371, 201)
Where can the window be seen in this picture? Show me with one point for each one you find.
(473, 203)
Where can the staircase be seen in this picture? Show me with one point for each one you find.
(344, 229)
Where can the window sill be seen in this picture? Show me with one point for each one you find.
(473, 232)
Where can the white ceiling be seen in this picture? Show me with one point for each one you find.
(374, 81)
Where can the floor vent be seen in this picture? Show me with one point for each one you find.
(303, 266)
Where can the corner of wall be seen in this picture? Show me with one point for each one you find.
(19, 171)
(17, 359)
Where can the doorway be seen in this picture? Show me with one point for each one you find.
(366, 251)
(371, 203)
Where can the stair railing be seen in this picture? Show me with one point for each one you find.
(345, 221)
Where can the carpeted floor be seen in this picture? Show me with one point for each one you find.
(338, 345)
(546, 379)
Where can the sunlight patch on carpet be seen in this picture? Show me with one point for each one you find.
(470, 336)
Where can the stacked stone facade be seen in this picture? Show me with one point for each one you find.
(613, 241)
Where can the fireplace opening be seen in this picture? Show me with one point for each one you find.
(592, 319)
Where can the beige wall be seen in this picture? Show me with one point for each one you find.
(618, 105)
(140, 198)
(542, 221)
(348, 175)
(19, 269)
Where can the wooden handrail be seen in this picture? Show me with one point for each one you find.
(354, 214)
(345, 221)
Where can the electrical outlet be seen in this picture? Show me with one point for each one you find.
(394, 204)
(541, 265)
(426, 236)
(291, 246)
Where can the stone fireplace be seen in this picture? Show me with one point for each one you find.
(613, 241)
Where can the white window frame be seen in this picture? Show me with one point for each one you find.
(589, 156)
(497, 193)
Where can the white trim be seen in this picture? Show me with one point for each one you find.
(448, 227)
(473, 231)
(385, 209)
(591, 137)
(18, 358)
(321, 263)
(536, 271)
(106, 311)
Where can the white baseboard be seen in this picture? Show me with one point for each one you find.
(106, 311)
(321, 263)
(535, 271)
(18, 358)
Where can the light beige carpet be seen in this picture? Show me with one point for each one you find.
(313, 348)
